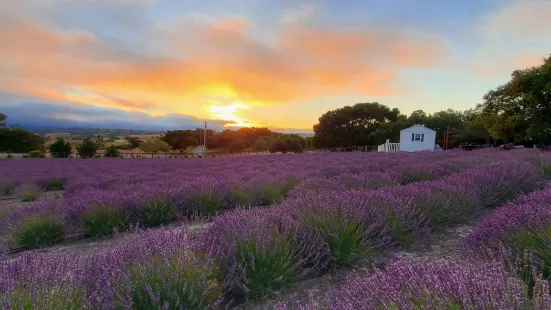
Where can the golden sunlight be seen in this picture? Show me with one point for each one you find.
(228, 113)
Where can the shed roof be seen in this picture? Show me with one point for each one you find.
(417, 126)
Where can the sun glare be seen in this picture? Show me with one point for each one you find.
(228, 113)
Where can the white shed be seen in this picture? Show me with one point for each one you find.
(417, 138)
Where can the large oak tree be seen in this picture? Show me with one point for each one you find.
(520, 110)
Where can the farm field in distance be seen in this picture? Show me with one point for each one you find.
(423, 230)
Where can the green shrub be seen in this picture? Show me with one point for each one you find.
(87, 149)
(54, 185)
(156, 211)
(61, 149)
(36, 154)
(36, 231)
(10, 156)
(173, 281)
(102, 219)
(112, 151)
(28, 192)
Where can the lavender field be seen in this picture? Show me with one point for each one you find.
(241, 232)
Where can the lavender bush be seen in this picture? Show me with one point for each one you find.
(524, 227)
(437, 285)
(262, 250)
(353, 229)
(36, 281)
(28, 192)
(154, 270)
(36, 226)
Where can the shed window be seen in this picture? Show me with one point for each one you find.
(418, 137)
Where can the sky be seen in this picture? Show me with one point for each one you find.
(167, 64)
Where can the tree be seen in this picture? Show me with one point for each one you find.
(352, 125)
(417, 117)
(87, 149)
(100, 140)
(60, 148)
(261, 144)
(134, 141)
(112, 151)
(17, 140)
(520, 110)
(2, 120)
(236, 147)
(180, 139)
(154, 145)
(288, 143)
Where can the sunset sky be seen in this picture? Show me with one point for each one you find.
(280, 64)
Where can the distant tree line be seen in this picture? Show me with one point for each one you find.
(517, 112)
(242, 139)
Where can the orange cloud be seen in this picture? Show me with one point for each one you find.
(221, 59)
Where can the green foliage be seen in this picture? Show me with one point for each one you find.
(171, 282)
(268, 194)
(54, 184)
(520, 110)
(262, 144)
(154, 145)
(180, 139)
(100, 220)
(239, 196)
(288, 143)
(59, 296)
(36, 154)
(267, 269)
(206, 202)
(5, 188)
(112, 151)
(156, 211)
(352, 125)
(533, 249)
(2, 120)
(37, 231)
(246, 136)
(60, 148)
(134, 141)
(125, 147)
(87, 149)
(345, 236)
(17, 140)
(236, 147)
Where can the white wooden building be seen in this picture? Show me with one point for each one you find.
(412, 139)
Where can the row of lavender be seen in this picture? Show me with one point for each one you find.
(250, 253)
(100, 208)
(73, 175)
(505, 263)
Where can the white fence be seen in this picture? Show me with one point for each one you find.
(389, 147)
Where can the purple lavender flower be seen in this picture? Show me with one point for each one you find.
(433, 285)
(262, 250)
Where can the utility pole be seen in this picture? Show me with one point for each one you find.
(205, 137)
